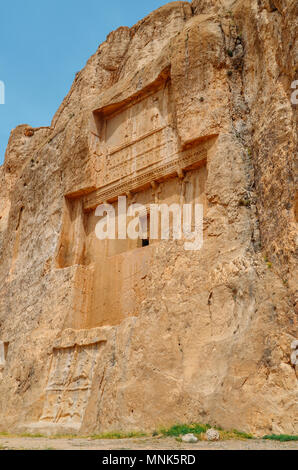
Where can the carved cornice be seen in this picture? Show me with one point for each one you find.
(157, 172)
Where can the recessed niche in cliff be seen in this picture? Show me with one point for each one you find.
(3, 353)
(136, 153)
(71, 244)
(108, 283)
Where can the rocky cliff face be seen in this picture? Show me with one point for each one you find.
(99, 336)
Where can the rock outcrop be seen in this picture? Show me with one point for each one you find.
(191, 104)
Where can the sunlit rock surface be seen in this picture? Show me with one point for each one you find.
(191, 105)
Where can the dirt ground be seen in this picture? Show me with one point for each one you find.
(29, 443)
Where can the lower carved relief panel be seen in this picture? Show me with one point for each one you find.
(69, 383)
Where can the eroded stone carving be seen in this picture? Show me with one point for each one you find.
(158, 171)
(2, 355)
(136, 152)
(69, 382)
(136, 146)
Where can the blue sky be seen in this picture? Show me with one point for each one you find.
(43, 43)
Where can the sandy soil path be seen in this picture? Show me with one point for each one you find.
(21, 443)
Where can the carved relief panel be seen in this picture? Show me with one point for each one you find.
(69, 383)
(3, 354)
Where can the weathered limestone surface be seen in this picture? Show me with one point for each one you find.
(191, 104)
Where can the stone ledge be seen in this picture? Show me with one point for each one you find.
(70, 338)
